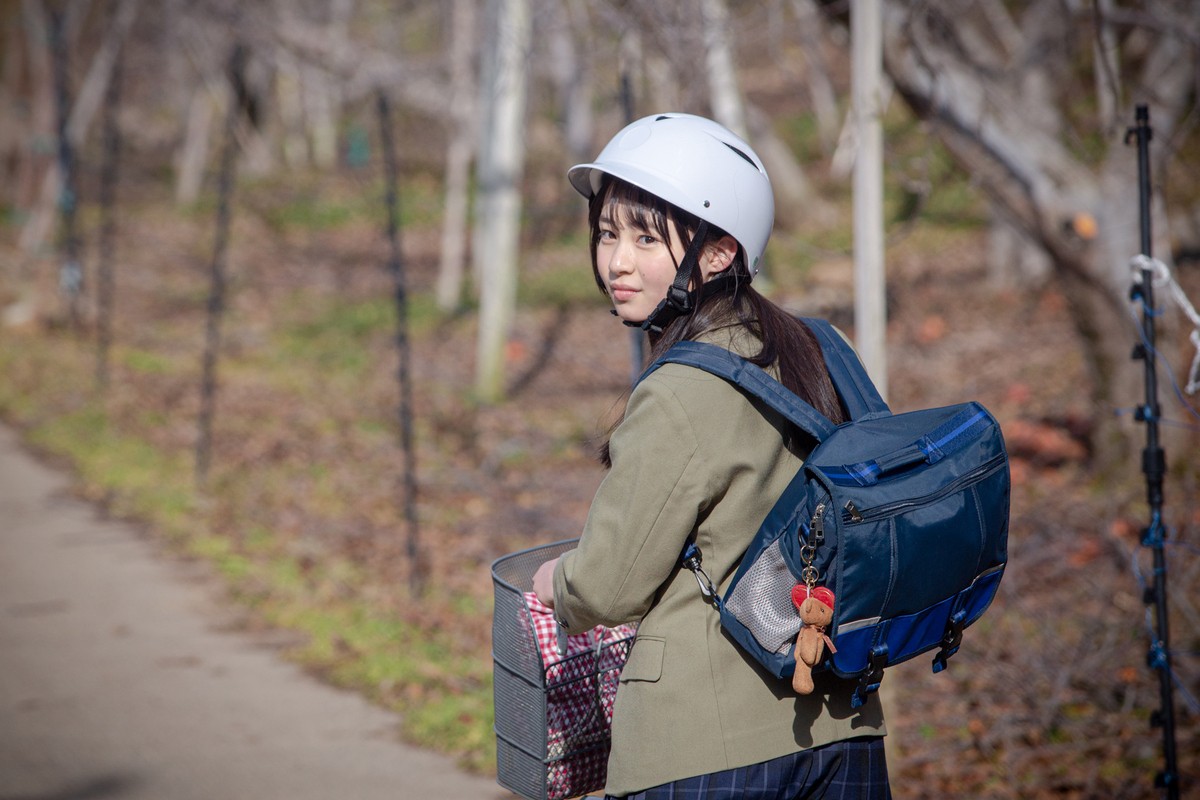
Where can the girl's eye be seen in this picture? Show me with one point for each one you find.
(607, 236)
(647, 239)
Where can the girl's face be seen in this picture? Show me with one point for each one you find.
(637, 263)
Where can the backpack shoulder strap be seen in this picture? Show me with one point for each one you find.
(749, 377)
(849, 376)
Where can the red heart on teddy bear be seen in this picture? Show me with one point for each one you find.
(820, 593)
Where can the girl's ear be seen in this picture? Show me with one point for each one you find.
(718, 256)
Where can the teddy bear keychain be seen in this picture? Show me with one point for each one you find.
(815, 605)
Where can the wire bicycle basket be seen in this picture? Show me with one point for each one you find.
(553, 693)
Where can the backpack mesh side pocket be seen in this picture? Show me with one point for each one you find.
(762, 601)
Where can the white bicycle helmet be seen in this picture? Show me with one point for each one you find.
(696, 164)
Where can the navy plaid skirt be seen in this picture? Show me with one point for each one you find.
(854, 769)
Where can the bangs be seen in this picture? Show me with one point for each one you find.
(629, 206)
(620, 203)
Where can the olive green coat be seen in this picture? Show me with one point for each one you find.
(692, 457)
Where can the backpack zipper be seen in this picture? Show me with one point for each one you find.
(817, 528)
(808, 549)
(852, 514)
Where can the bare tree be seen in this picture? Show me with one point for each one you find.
(308, 97)
(358, 65)
(501, 164)
(209, 92)
(818, 82)
(27, 78)
(323, 97)
(36, 169)
(85, 104)
(1002, 93)
(683, 44)
(572, 74)
(290, 103)
(463, 124)
(724, 94)
(193, 154)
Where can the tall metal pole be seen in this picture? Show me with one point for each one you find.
(1154, 466)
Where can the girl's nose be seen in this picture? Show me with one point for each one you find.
(620, 261)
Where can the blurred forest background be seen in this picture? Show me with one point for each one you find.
(301, 286)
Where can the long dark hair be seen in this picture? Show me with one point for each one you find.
(787, 343)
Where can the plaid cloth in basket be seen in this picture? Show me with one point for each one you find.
(581, 685)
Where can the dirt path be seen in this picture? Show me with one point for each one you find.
(121, 677)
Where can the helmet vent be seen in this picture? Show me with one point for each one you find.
(749, 160)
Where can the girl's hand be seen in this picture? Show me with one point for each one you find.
(543, 583)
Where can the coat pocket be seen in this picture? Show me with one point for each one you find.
(645, 660)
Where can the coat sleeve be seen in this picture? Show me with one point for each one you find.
(641, 517)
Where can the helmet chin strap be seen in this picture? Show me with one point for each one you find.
(679, 300)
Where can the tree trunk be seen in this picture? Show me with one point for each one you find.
(1106, 56)
(14, 134)
(794, 196)
(723, 91)
(37, 157)
(1013, 261)
(174, 90)
(791, 186)
(323, 97)
(41, 217)
(257, 158)
(1009, 135)
(500, 168)
(194, 154)
(321, 107)
(463, 109)
(573, 81)
(95, 85)
(870, 310)
(820, 87)
(288, 96)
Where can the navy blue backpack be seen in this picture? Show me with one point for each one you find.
(903, 516)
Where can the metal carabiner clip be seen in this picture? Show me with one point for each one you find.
(691, 559)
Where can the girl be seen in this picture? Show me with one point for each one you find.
(680, 210)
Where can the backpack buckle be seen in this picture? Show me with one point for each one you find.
(870, 680)
(951, 640)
